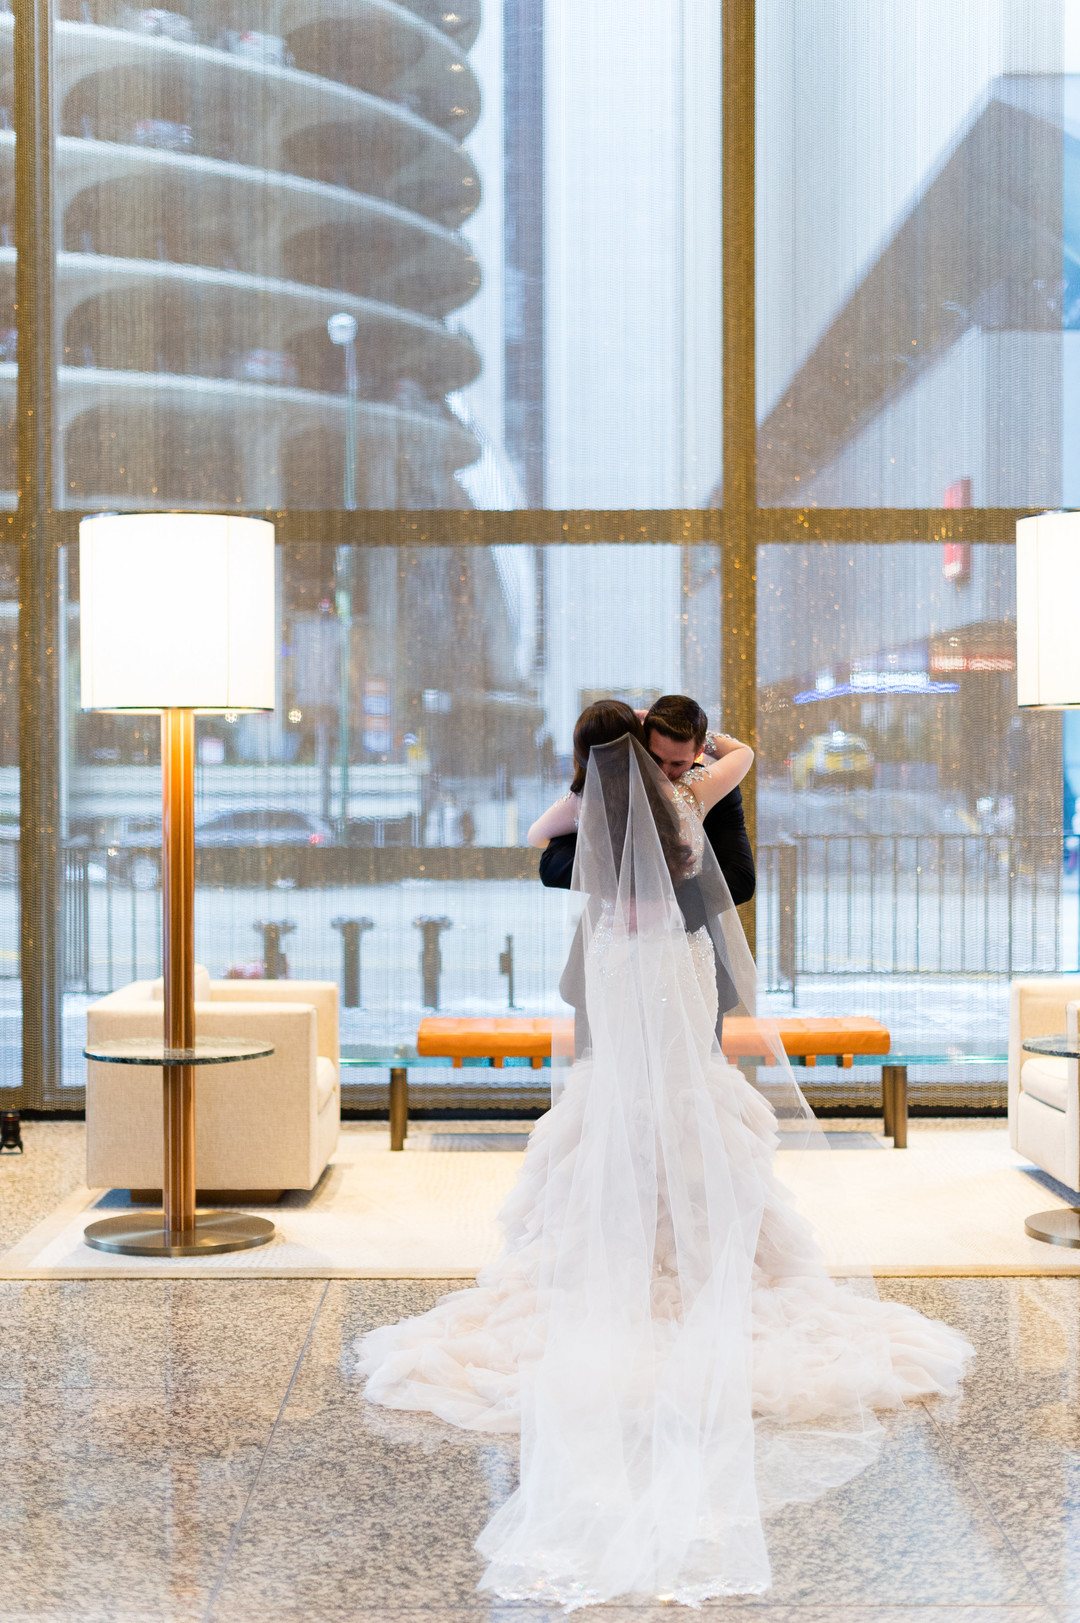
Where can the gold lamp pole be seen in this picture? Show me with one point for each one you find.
(178, 930)
(177, 616)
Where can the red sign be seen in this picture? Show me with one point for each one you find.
(956, 562)
(958, 494)
(956, 557)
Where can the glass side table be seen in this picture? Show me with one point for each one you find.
(470, 1086)
(894, 1077)
(1060, 1227)
(473, 1080)
(147, 1233)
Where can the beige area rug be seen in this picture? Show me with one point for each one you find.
(427, 1213)
(953, 1203)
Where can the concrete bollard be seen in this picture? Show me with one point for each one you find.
(352, 933)
(10, 1135)
(431, 957)
(506, 967)
(275, 963)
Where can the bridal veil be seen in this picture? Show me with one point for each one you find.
(661, 1323)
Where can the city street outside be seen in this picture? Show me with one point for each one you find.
(933, 1011)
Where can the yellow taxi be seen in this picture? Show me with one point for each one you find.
(833, 761)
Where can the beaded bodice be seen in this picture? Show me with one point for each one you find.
(691, 815)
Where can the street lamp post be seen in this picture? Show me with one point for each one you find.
(343, 572)
(341, 329)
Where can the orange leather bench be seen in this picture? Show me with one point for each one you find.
(497, 1040)
(807, 1041)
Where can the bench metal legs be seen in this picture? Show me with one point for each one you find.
(399, 1106)
(894, 1104)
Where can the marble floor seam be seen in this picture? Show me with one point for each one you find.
(234, 1536)
(1032, 1576)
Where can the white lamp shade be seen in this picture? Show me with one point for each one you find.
(1047, 599)
(177, 610)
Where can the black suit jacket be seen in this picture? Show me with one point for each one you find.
(725, 830)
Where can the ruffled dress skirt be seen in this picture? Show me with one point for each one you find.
(756, 1384)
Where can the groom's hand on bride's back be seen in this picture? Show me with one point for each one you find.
(557, 861)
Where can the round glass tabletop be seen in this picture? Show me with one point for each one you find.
(152, 1051)
(1061, 1047)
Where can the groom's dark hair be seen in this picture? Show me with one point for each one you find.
(679, 717)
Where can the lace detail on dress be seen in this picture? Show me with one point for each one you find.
(685, 798)
(600, 945)
(691, 817)
(703, 958)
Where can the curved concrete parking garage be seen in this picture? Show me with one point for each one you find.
(228, 178)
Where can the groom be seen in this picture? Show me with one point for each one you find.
(675, 731)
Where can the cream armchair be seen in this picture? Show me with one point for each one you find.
(1044, 1093)
(264, 1125)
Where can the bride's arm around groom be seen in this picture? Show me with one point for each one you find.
(674, 732)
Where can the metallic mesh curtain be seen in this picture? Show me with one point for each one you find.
(389, 272)
(463, 187)
(425, 712)
(909, 817)
(231, 177)
(10, 986)
(916, 208)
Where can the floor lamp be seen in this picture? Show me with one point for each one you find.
(177, 616)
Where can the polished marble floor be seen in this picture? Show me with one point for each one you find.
(202, 1451)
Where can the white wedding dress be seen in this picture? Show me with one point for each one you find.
(660, 1325)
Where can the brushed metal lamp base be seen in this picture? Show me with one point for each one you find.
(1060, 1227)
(143, 1234)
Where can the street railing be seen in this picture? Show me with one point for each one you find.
(910, 904)
(827, 905)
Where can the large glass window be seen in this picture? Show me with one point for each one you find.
(391, 256)
(917, 206)
(318, 258)
(909, 816)
(230, 178)
(426, 704)
(10, 987)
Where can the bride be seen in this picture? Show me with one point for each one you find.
(660, 1325)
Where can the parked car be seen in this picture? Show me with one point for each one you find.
(266, 826)
(132, 850)
(833, 761)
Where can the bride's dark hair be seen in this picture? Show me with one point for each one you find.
(601, 723)
(613, 767)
